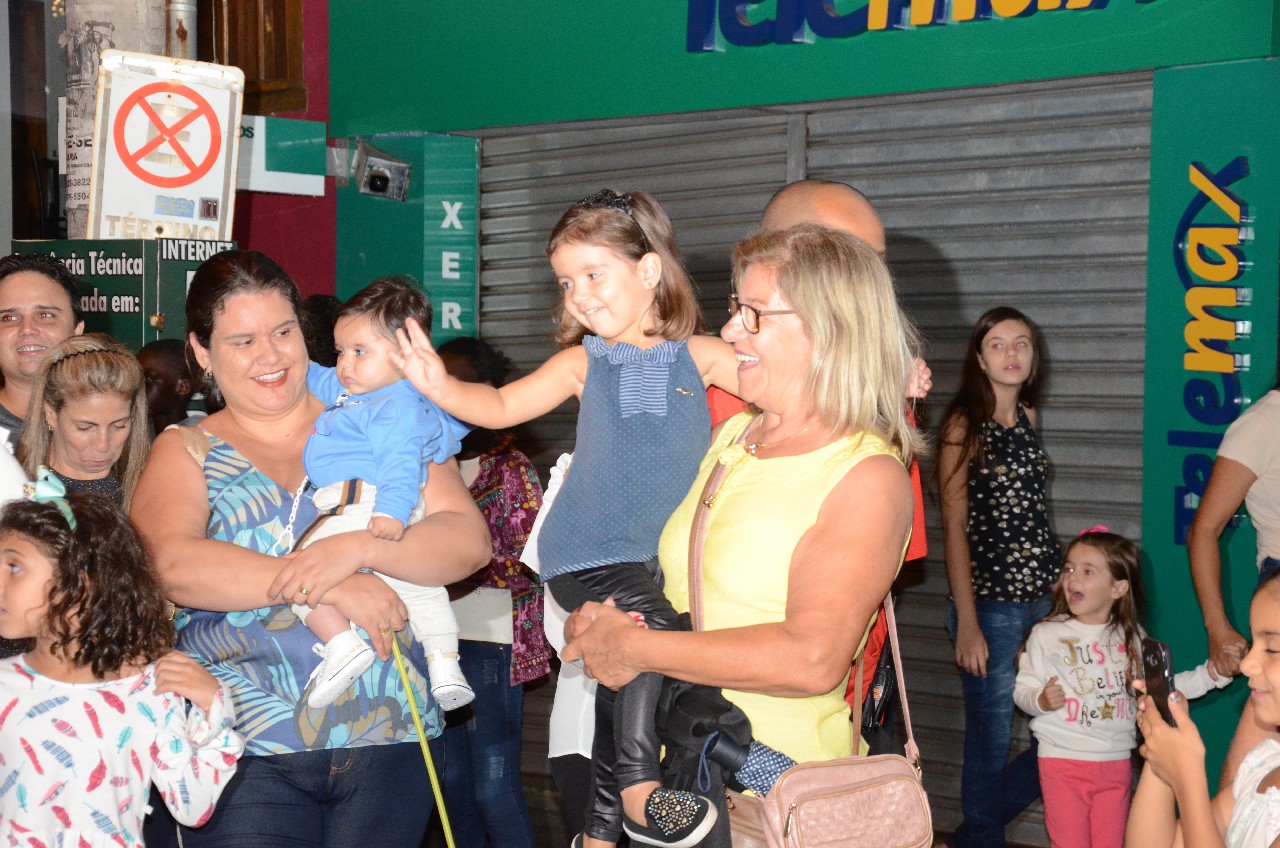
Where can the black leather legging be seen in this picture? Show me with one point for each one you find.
(625, 750)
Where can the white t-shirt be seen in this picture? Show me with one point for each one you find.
(1252, 441)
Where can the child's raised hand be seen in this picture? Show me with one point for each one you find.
(1052, 696)
(386, 527)
(920, 381)
(418, 360)
(180, 674)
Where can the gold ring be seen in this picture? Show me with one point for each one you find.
(385, 629)
(304, 592)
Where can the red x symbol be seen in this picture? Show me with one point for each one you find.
(167, 134)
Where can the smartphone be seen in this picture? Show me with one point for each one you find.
(1157, 667)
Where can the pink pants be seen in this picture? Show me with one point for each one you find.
(1086, 804)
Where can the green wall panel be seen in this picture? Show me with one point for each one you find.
(1211, 334)
(433, 235)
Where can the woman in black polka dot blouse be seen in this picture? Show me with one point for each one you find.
(1002, 558)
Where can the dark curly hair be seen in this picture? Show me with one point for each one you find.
(105, 605)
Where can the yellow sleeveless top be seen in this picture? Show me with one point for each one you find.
(763, 508)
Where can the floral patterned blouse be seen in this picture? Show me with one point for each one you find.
(509, 495)
(1015, 555)
(263, 656)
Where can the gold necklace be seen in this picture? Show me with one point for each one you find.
(754, 448)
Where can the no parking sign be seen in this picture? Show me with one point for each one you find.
(166, 144)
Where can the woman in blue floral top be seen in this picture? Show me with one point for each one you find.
(218, 505)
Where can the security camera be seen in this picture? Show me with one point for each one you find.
(378, 182)
(380, 174)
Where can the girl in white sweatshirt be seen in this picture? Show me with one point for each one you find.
(1073, 679)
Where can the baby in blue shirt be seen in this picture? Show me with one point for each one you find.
(366, 456)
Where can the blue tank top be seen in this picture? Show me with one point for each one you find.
(643, 427)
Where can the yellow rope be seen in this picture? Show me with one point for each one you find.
(422, 740)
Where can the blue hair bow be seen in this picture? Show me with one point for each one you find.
(47, 488)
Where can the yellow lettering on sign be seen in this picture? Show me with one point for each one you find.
(1218, 241)
(964, 10)
(1203, 326)
(1211, 190)
(1010, 8)
(922, 12)
(878, 13)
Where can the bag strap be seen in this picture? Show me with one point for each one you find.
(195, 440)
(698, 533)
(859, 671)
(912, 750)
(697, 538)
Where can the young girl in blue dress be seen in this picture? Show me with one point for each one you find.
(635, 355)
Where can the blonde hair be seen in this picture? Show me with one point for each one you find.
(864, 347)
(81, 366)
(630, 224)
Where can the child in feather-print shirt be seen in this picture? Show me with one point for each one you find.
(98, 708)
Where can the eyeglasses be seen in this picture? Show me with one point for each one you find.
(750, 315)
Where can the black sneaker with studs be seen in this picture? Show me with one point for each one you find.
(673, 819)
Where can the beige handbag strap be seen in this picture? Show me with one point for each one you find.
(196, 441)
(698, 536)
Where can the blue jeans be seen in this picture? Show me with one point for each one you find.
(479, 754)
(373, 795)
(994, 790)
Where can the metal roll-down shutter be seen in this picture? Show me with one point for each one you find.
(1032, 195)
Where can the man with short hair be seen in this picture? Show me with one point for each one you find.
(825, 202)
(170, 385)
(842, 207)
(39, 308)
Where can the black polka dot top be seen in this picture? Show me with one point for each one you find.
(1015, 555)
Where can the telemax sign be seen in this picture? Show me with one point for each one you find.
(742, 28)
(166, 142)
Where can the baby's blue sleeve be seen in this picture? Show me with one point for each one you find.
(445, 433)
(394, 430)
(323, 383)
